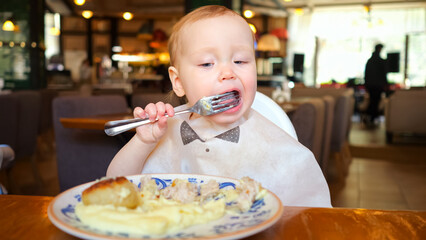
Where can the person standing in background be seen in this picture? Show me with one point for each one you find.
(375, 83)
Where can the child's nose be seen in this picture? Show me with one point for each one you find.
(227, 73)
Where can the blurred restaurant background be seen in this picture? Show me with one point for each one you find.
(311, 57)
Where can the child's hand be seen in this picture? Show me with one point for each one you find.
(152, 133)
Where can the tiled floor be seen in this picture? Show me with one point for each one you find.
(380, 184)
(381, 176)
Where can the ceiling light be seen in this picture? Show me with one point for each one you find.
(117, 49)
(79, 2)
(253, 28)
(248, 14)
(54, 31)
(8, 26)
(367, 8)
(87, 14)
(287, 0)
(269, 42)
(298, 11)
(128, 16)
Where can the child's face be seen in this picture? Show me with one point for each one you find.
(217, 56)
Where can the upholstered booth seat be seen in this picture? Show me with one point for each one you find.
(29, 102)
(84, 155)
(9, 112)
(329, 103)
(405, 113)
(341, 124)
(20, 125)
(308, 121)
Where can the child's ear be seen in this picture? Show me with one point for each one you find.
(176, 81)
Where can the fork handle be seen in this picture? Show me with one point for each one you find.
(113, 128)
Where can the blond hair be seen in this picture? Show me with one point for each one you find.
(204, 12)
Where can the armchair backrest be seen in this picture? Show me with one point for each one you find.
(29, 122)
(9, 109)
(343, 110)
(84, 155)
(308, 120)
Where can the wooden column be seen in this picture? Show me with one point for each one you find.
(37, 74)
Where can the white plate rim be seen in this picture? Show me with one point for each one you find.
(74, 231)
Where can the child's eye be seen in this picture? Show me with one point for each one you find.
(206, 64)
(239, 62)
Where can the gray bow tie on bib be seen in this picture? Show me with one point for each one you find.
(188, 134)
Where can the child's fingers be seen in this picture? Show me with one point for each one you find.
(138, 112)
(161, 109)
(162, 122)
(151, 110)
(160, 127)
(170, 110)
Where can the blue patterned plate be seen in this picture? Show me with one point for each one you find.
(263, 214)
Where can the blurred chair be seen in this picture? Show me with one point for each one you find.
(272, 111)
(342, 119)
(308, 121)
(29, 122)
(405, 113)
(142, 99)
(46, 140)
(9, 112)
(47, 96)
(7, 155)
(329, 103)
(20, 119)
(84, 155)
(29, 102)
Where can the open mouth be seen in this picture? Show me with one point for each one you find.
(229, 100)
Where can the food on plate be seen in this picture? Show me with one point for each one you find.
(118, 192)
(119, 206)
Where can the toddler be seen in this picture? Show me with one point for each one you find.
(212, 52)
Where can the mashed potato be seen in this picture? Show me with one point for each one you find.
(117, 205)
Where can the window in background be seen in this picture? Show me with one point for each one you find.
(52, 31)
(416, 70)
(346, 37)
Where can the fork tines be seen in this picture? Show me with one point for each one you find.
(226, 106)
(225, 96)
(221, 103)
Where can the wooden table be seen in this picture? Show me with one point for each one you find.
(25, 217)
(93, 122)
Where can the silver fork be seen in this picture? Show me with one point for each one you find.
(205, 106)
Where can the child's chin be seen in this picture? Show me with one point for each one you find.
(226, 118)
